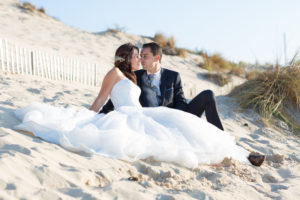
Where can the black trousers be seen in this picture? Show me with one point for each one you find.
(205, 101)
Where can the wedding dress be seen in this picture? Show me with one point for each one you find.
(132, 132)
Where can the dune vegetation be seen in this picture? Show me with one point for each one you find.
(169, 45)
(270, 93)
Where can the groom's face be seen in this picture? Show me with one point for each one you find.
(147, 59)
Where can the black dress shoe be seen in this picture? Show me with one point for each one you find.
(256, 160)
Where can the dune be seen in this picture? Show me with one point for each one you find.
(31, 168)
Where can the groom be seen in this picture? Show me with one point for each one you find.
(163, 87)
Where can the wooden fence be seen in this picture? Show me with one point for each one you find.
(16, 59)
(19, 60)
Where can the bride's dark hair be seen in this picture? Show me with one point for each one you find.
(123, 60)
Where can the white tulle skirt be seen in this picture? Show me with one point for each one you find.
(132, 133)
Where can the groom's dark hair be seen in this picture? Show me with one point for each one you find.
(155, 49)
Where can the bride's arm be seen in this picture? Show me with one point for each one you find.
(108, 82)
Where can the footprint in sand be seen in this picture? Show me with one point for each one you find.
(97, 180)
(275, 187)
(164, 197)
(10, 186)
(35, 91)
(68, 168)
(77, 193)
(67, 92)
(11, 149)
(268, 178)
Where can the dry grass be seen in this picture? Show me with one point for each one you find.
(171, 42)
(42, 10)
(217, 63)
(237, 70)
(160, 39)
(218, 78)
(28, 7)
(252, 74)
(169, 45)
(181, 52)
(117, 29)
(271, 91)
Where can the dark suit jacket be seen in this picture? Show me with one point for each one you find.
(170, 88)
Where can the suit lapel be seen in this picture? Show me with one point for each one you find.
(140, 79)
(162, 86)
(141, 84)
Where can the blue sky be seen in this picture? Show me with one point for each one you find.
(247, 30)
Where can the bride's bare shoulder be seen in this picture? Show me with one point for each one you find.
(114, 75)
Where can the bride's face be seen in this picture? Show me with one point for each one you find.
(135, 60)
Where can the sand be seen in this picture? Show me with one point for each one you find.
(31, 168)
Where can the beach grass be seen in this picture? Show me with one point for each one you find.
(27, 6)
(169, 45)
(217, 63)
(270, 92)
(220, 79)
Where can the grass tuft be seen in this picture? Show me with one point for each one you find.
(217, 63)
(271, 91)
(117, 29)
(28, 7)
(169, 45)
(220, 79)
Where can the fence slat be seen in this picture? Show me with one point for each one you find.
(62, 68)
(55, 67)
(52, 68)
(34, 63)
(17, 59)
(7, 57)
(45, 65)
(25, 61)
(40, 61)
(90, 74)
(76, 71)
(37, 64)
(2, 54)
(48, 66)
(21, 51)
(84, 74)
(71, 70)
(95, 75)
(12, 59)
(58, 68)
(30, 61)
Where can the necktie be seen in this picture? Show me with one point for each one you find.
(152, 85)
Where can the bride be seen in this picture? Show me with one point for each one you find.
(132, 132)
